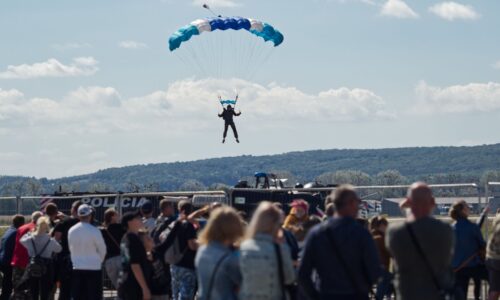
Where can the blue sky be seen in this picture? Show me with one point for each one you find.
(86, 85)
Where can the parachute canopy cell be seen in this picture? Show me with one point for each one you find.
(258, 28)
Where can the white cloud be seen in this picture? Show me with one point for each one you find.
(497, 65)
(454, 11)
(81, 66)
(188, 102)
(70, 46)
(472, 97)
(287, 104)
(398, 9)
(132, 45)
(94, 96)
(217, 3)
(95, 127)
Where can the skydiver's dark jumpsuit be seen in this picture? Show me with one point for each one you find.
(227, 115)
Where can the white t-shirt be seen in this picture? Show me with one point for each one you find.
(86, 246)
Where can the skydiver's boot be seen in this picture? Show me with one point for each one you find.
(237, 141)
(223, 140)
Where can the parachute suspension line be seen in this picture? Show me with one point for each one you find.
(213, 56)
(242, 59)
(192, 52)
(232, 42)
(266, 54)
(206, 54)
(205, 6)
(223, 55)
(251, 56)
(186, 60)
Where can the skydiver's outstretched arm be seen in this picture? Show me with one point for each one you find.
(236, 100)
(222, 113)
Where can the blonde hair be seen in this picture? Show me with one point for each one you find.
(266, 219)
(42, 225)
(224, 224)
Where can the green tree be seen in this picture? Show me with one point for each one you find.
(192, 186)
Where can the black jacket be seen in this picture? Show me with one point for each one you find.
(228, 114)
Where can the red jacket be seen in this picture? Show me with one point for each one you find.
(20, 258)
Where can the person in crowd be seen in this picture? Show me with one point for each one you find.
(469, 248)
(88, 250)
(217, 262)
(166, 217)
(64, 267)
(7, 245)
(493, 260)
(330, 210)
(363, 222)
(147, 216)
(265, 252)
(478, 278)
(329, 198)
(378, 227)
(156, 277)
(132, 284)
(244, 217)
(200, 216)
(483, 217)
(422, 249)
(167, 210)
(20, 260)
(112, 232)
(299, 214)
(311, 221)
(290, 239)
(40, 244)
(52, 211)
(183, 273)
(343, 245)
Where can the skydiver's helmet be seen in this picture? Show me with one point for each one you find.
(229, 106)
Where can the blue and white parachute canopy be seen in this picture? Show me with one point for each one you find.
(225, 102)
(258, 28)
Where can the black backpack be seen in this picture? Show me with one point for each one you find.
(38, 265)
(160, 228)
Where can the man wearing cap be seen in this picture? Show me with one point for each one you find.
(147, 216)
(88, 251)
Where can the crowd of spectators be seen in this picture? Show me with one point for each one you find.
(216, 252)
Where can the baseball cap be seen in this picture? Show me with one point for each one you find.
(84, 210)
(147, 207)
(129, 216)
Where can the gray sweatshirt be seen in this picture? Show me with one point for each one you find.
(40, 240)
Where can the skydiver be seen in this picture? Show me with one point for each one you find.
(227, 114)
